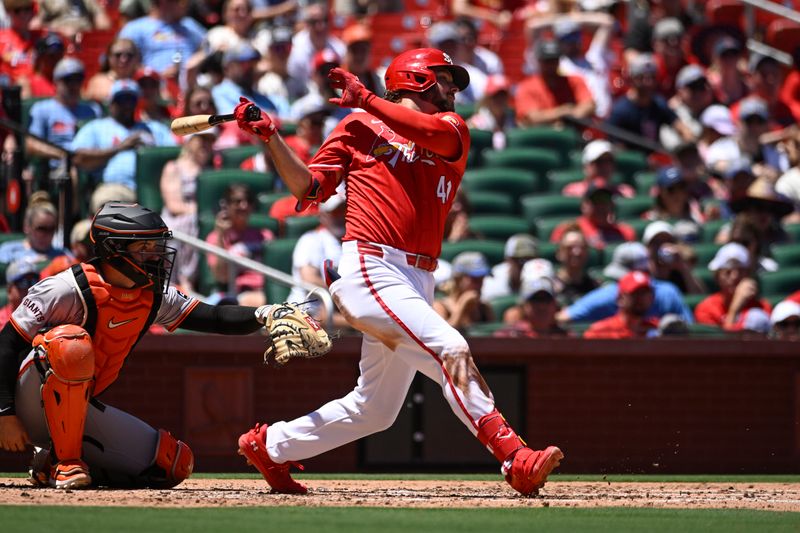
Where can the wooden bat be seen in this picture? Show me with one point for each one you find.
(198, 123)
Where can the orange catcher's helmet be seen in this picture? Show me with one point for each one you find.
(414, 70)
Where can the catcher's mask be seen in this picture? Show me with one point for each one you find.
(133, 240)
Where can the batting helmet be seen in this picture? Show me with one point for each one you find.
(118, 225)
(413, 70)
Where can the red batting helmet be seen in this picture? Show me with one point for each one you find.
(413, 70)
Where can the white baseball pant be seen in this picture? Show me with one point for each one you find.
(390, 302)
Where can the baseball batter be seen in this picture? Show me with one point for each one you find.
(402, 162)
(83, 324)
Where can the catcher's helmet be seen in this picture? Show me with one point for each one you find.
(118, 225)
(413, 70)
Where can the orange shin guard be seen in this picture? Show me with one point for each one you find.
(495, 433)
(67, 385)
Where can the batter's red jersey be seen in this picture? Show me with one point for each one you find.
(398, 193)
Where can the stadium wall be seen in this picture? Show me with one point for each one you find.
(639, 406)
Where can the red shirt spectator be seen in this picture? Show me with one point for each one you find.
(18, 43)
(598, 163)
(634, 299)
(597, 221)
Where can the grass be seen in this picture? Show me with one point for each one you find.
(349, 519)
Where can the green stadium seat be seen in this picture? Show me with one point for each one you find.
(787, 255)
(562, 141)
(211, 185)
(711, 228)
(493, 250)
(480, 141)
(644, 181)
(793, 230)
(465, 111)
(781, 283)
(547, 205)
(707, 277)
(484, 330)
(512, 181)
(547, 250)
(498, 227)
(278, 254)
(233, 157)
(266, 199)
(630, 162)
(632, 207)
(5, 237)
(501, 304)
(638, 225)
(544, 226)
(150, 162)
(691, 300)
(490, 203)
(294, 227)
(538, 160)
(706, 331)
(705, 252)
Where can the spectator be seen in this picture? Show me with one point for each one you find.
(602, 302)
(179, 191)
(319, 89)
(645, 16)
(237, 16)
(49, 51)
(754, 122)
(505, 278)
(785, 321)
(446, 37)
(80, 247)
(572, 278)
(473, 53)
(599, 165)
(314, 37)
(670, 260)
(634, 299)
(533, 269)
(548, 98)
(668, 54)
(18, 42)
(729, 185)
(456, 225)
(671, 325)
(312, 112)
(106, 146)
(673, 201)
(71, 17)
(755, 325)
(358, 58)
(790, 90)
(743, 230)
(21, 275)
(733, 269)
(313, 249)
(199, 101)
(121, 62)
(233, 232)
(597, 221)
(764, 208)
(57, 119)
(39, 226)
(166, 38)
(239, 67)
(718, 135)
(686, 158)
(788, 183)
(152, 106)
(494, 111)
(724, 74)
(282, 87)
(539, 307)
(462, 306)
(766, 79)
(499, 14)
(693, 96)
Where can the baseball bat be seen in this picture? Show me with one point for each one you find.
(198, 123)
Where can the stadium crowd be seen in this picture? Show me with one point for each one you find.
(634, 168)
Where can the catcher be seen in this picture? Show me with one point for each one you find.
(82, 323)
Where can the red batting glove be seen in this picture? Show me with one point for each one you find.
(263, 128)
(354, 94)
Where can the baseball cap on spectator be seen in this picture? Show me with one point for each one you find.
(535, 269)
(731, 255)
(356, 33)
(537, 287)
(688, 75)
(641, 65)
(671, 324)
(69, 66)
(566, 29)
(596, 149)
(634, 281)
(783, 311)
(473, 264)
(242, 51)
(666, 28)
(496, 83)
(547, 49)
(521, 246)
(627, 257)
(147, 73)
(442, 32)
(722, 154)
(21, 269)
(325, 57)
(124, 87)
(596, 5)
(667, 177)
(762, 194)
(49, 43)
(754, 319)
(753, 106)
(654, 229)
(726, 44)
(718, 118)
(280, 35)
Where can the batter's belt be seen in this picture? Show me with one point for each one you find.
(420, 261)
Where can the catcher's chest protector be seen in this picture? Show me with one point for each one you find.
(115, 318)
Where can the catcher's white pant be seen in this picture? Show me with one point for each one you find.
(390, 302)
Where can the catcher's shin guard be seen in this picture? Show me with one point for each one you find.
(173, 462)
(68, 375)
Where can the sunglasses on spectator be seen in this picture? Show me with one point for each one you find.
(125, 53)
(76, 78)
(45, 229)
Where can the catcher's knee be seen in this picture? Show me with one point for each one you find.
(173, 461)
(69, 352)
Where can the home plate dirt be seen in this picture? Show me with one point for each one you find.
(422, 494)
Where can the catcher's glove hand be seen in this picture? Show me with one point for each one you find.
(292, 333)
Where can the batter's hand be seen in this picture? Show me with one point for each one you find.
(13, 436)
(354, 94)
(264, 129)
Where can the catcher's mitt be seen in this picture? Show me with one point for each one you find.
(293, 333)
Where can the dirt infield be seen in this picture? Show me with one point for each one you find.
(423, 494)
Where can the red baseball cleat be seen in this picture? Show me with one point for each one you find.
(253, 446)
(70, 474)
(530, 468)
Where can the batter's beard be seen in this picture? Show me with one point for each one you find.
(439, 100)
